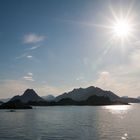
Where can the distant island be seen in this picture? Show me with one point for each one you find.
(1, 102)
(92, 96)
(16, 104)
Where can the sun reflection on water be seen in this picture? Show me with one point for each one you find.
(118, 109)
(125, 136)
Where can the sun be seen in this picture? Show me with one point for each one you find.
(122, 24)
(122, 28)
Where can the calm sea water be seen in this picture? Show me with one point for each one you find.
(72, 123)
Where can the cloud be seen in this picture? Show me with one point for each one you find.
(30, 74)
(35, 47)
(24, 55)
(33, 38)
(80, 78)
(29, 56)
(105, 80)
(122, 80)
(29, 77)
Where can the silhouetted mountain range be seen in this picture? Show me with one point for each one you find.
(28, 95)
(49, 98)
(16, 104)
(1, 102)
(82, 96)
(138, 97)
(5, 99)
(21, 102)
(130, 100)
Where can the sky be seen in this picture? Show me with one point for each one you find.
(54, 46)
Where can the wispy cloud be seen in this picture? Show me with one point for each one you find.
(109, 81)
(33, 38)
(24, 55)
(29, 77)
(123, 79)
(105, 80)
(29, 73)
(35, 47)
(29, 56)
(80, 78)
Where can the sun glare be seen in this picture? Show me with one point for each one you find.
(122, 29)
(122, 24)
(118, 107)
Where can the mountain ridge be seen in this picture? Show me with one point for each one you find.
(80, 94)
(28, 95)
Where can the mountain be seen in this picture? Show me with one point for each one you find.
(92, 100)
(1, 102)
(82, 94)
(28, 95)
(49, 98)
(130, 100)
(5, 99)
(16, 104)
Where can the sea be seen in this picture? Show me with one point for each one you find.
(117, 122)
